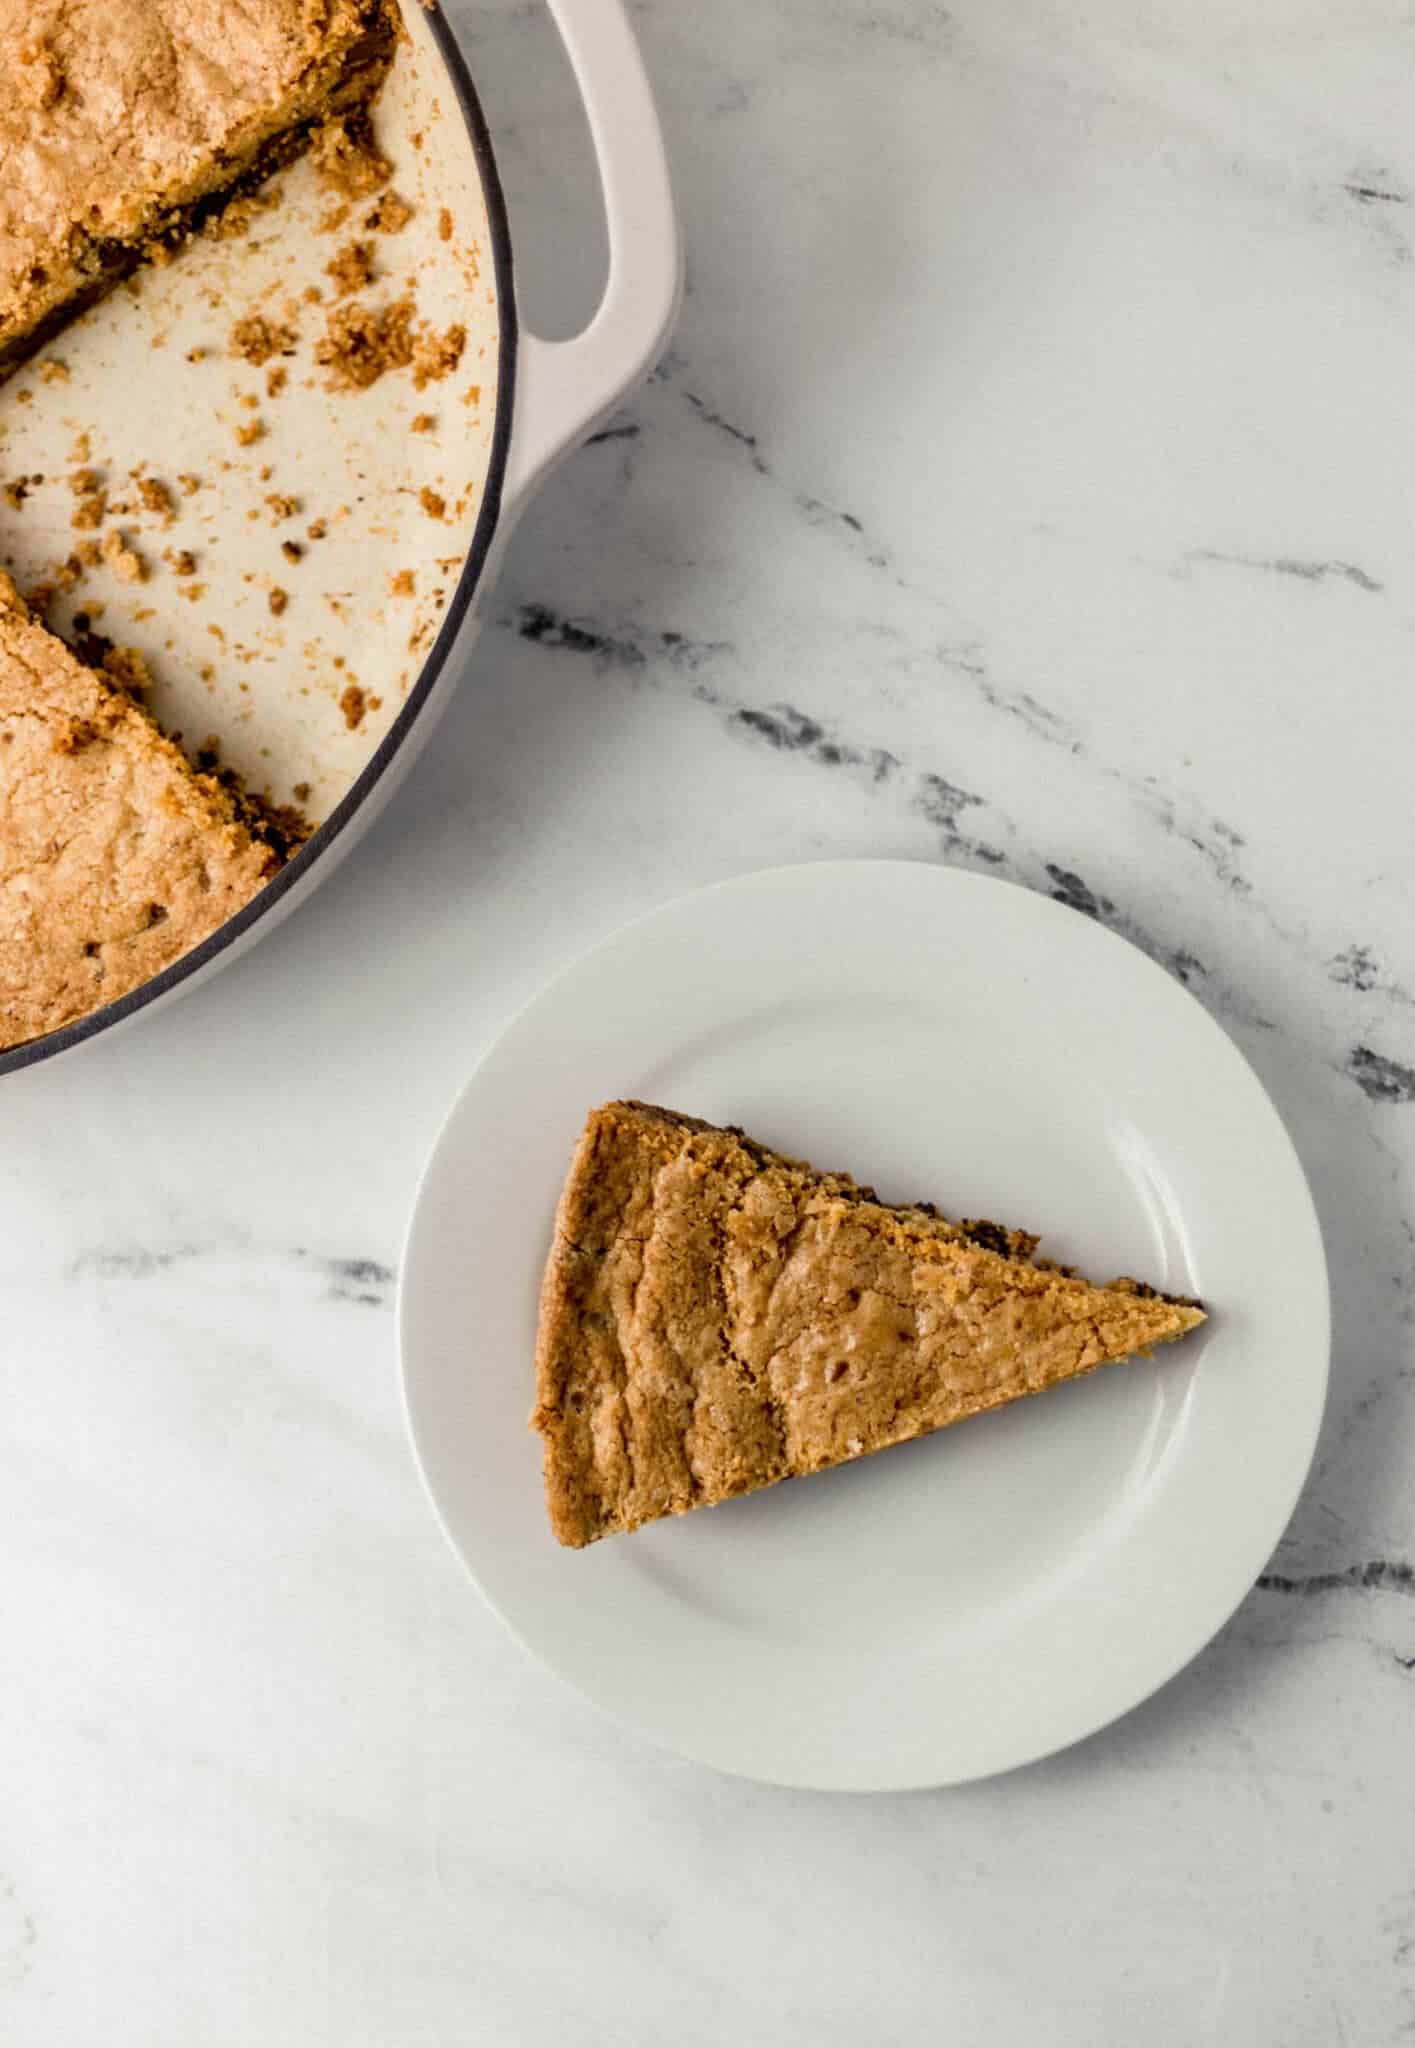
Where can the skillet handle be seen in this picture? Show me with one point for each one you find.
(565, 389)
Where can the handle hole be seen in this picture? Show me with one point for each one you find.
(547, 164)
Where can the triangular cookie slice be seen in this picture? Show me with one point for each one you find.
(715, 1317)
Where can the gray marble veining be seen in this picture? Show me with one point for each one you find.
(1027, 487)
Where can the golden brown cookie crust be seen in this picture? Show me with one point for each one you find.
(716, 1317)
(121, 120)
(116, 856)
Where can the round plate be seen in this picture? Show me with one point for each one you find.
(983, 1597)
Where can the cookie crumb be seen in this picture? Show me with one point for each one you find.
(157, 499)
(362, 343)
(351, 268)
(389, 215)
(256, 339)
(348, 159)
(91, 510)
(437, 355)
(237, 215)
(123, 560)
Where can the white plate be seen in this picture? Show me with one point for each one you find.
(981, 1598)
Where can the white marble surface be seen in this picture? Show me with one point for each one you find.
(1028, 487)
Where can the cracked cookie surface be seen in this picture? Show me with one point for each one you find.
(716, 1317)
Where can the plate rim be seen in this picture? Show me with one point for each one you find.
(1122, 1704)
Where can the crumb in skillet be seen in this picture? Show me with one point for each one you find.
(123, 560)
(237, 215)
(436, 356)
(255, 339)
(351, 268)
(347, 158)
(389, 214)
(157, 499)
(90, 509)
(362, 343)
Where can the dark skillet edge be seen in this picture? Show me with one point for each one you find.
(96, 1021)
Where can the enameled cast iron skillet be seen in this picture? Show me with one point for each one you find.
(548, 397)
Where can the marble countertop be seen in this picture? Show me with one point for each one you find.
(1027, 488)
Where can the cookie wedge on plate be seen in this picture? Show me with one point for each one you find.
(716, 1317)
